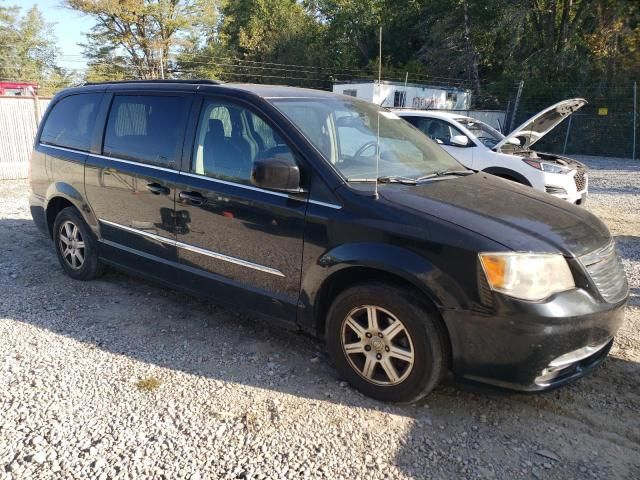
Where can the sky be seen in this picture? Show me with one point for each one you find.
(69, 28)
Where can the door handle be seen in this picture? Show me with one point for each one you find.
(193, 198)
(157, 189)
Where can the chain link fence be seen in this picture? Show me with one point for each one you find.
(607, 126)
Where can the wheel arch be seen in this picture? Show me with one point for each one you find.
(61, 195)
(508, 174)
(353, 275)
(349, 265)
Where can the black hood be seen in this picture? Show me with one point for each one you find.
(514, 215)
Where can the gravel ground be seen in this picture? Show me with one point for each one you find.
(119, 378)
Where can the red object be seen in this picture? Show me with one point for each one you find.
(18, 88)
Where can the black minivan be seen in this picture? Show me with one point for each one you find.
(334, 215)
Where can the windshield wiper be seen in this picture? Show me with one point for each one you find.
(386, 179)
(446, 172)
(392, 179)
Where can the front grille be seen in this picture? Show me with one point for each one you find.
(555, 190)
(581, 179)
(607, 273)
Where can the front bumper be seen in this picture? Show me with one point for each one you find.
(566, 186)
(514, 344)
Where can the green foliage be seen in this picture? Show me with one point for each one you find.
(559, 47)
(275, 32)
(134, 38)
(27, 47)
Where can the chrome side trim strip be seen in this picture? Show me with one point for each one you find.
(194, 175)
(138, 164)
(129, 162)
(193, 248)
(234, 184)
(143, 233)
(64, 149)
(226, 258)
(324, 204)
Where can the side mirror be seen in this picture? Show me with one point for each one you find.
(459, 140)
(514, 141)
(278, 172)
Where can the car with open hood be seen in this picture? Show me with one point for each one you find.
(336, 217)
(481, 147)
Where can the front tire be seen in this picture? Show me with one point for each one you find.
(386, 342)
(76, 246)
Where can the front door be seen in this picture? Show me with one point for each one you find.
(241, 244)
(131, 186)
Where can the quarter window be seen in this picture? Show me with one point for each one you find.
(145, 128)
(230, 139)
(71, 122)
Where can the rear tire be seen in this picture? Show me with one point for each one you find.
(400, 356)
(76, 246)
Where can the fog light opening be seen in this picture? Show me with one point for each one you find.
(560, 364)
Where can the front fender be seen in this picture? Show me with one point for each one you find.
(390, 260)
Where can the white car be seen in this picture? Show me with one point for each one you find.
(481, 147)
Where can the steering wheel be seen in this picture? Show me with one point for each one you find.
(364, 147)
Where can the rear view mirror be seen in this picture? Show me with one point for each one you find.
(278, 172)
(459, 140)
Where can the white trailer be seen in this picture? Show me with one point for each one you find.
(411, 95)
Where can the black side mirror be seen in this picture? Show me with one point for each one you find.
(278, 172)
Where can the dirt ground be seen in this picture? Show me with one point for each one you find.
(119, 378)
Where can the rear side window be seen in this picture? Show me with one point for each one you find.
(145, 128)
(71, 121)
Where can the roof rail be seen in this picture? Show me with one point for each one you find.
(192, 82)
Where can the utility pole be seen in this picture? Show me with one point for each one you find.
(515, 106)
(635, 116)
(404, 100)
(161, 65)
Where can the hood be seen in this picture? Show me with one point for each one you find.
(516, 216)
(542, 123)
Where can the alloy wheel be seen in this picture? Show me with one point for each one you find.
(71, 245)
(377, 345)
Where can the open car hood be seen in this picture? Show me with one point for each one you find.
(542, 123)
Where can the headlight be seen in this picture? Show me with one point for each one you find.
(528, 276)
(548, 167)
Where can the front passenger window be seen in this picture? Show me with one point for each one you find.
(230, 139)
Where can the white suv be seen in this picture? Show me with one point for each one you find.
(481, 147)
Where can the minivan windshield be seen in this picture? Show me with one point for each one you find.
(345, 131)
(487, 135)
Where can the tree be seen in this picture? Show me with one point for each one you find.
(141, 33)
(281, 33)
(28, 46)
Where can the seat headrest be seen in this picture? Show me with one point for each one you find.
(215, 127)
(434, 128)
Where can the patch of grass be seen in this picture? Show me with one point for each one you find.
(148, 384)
